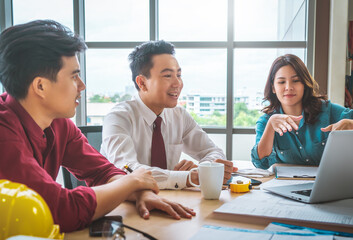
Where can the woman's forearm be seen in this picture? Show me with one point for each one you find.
(265, 146)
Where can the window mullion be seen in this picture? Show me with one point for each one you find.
(154, 20)
(230, 73)
(310, 34)
(79, 27)
(6, 19)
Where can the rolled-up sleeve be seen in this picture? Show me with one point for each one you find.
(85, 162)
(71, 209)
(267, 161)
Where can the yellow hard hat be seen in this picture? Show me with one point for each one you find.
(24, 212)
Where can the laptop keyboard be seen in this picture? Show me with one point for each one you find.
(303, 192)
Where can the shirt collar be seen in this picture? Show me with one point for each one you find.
(146, 112)
(30, 126)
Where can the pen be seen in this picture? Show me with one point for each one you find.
(128, 168)
(303, 176)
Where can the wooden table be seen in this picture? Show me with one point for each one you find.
(162, 226)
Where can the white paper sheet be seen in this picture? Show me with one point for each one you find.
(225, 233)
(280, 182)
(264, 204)
(296, 171)
(278, 227)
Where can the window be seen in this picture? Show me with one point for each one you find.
(216, 51)
(116, 20)
(195, 20)
(58, 10)
(108, 81)
(204, 76)
(270, 20)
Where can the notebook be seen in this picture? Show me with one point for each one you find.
(296, 172)
(334, 180)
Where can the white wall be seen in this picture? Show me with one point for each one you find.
(337, 50)
(242, 145)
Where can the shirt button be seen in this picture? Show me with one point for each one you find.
(307, 160)
(281, 152)
(300, 147)
(296, 133)
(323, 143)
(176, 185)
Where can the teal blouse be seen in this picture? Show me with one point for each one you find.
(304, 146)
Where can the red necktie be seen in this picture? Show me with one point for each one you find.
(158, 157)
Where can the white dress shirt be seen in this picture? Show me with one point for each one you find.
(127, 138)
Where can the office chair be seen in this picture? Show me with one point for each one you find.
(94, 137)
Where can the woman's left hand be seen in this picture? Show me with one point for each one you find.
(344, 124)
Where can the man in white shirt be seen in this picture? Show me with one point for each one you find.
(129, 128)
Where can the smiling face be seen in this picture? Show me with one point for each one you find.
(162, 89)
(62, 95)
(289, 90)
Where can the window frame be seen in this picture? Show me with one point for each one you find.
(6, 20)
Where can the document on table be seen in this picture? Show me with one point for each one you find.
(288, 228)
(264, 204)
(254, 172)
(227, 233)
(295, 172)
(280, 182)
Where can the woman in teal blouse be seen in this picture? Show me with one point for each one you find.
(296, 123)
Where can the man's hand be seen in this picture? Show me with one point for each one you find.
(185, 165)
(144, 180)
(147, 201)
(344, 124)
(194, 175)
(228, 169)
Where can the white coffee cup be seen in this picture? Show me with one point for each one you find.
(210, 178)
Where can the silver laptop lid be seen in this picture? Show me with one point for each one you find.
(335, 175)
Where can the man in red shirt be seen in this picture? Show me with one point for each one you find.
(40, 72)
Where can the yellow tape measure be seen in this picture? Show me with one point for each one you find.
(240, 187)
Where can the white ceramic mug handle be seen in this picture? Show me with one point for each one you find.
(193, 184)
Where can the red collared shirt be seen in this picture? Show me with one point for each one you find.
(33, 157)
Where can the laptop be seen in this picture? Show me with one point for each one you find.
(334, 180)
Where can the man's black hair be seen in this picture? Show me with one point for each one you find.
(34, 49)
(141, 57)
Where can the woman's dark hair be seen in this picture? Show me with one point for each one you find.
(141, 57)
(34, 49)
(312, 100)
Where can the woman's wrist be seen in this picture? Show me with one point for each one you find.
(269, 127)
